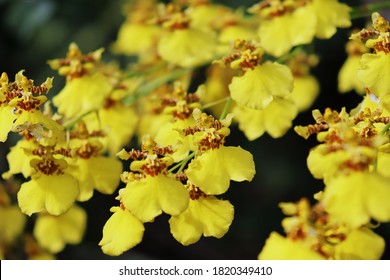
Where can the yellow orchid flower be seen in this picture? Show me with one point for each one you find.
(357, 198)
(121, 232)
(205, 215)
(54, 232)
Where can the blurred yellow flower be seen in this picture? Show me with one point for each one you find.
(181, 47)
(278, 247)
(347, 77)
(11, 224)
(374, 68)
(360, 244)
(357, 198)
(54, 232)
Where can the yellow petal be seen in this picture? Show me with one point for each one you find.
(250, 121)
(105, 173)
(361, 244)
(213, 170)
(278, 247)
(100, 173)
(7, 118)
(82, 95)
(169, 134)
(181, 47)
(11, 224)
(55, 194)
(257, 88)
(135, 38)
(279, 34)
(121, 232)
(276, 119)
(347, 78)
(330, 14)
(149, 197)
(374, 68)
(114, 120)
(323, 163)
(306, 90)
(208, 216)
(356, 198)
(19, 159)
(54, 232)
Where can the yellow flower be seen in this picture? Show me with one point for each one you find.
(50, 189)
(357, 198)
(330, 15)
(360, 244)
(152, 190)
(181, 43)
(213, 169)
(347, 77)
(11, 224)
(19, 159)
(205, 215)
(214, 164)
(169, 134)
(207, 15)
(20, 110)
(118, 121)
(82, 95)
(136, 38)
(121, 232)
(147, 198)
(136, 35)
(275, 119)
(100, 173)
(278, 247)
(306, 90)
(373, 69)
(181, 47)
(7, 119)
(180, 108)
(284, 25)
(94, 171)
(257, 88)
(279, 34)
(323, 163)
(54, 232)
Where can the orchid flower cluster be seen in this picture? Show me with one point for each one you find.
(258, 65)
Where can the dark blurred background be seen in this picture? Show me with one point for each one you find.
(33, 31)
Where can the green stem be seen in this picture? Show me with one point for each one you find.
(145, 89)
(385, 129)
(226, 108)
(70, 124)
(182, 163)
(148, 71)
(368, 9)
(211, 104)
(291, 54)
